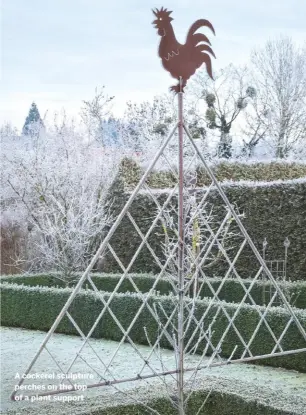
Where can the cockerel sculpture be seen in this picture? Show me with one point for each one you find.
(182, 60)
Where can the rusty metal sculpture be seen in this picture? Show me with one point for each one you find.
(182, 60)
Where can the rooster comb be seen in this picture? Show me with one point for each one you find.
(162, 12)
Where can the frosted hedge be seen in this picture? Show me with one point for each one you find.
(273, 210)
(37, 307)
(231, 291)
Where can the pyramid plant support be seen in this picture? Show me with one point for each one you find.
(181, 346)
(183, 316)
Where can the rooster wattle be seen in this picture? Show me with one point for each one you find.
(182, 60)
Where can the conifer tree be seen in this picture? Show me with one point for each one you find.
(33, 121)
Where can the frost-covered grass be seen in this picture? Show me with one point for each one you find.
(18, 348)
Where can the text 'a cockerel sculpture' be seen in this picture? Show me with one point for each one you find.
(182, 60)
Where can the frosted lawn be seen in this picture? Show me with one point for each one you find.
(19, 346)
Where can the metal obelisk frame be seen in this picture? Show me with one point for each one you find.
(181, 314)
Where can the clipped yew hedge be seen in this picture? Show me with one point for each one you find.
(273, 211)
(216, 403)
(104, 282)
(231, 290)
(221, 397)
(131, 172)
(37, 307)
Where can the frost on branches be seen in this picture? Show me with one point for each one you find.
(200, 227)
(54, 187)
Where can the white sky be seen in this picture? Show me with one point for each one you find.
(55, 52)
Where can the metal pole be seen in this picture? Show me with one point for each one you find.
(181, 257)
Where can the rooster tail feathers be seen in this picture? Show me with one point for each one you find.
(207, 61)
(196, 25)
(206, 48)
(199, 37)
(200, 23)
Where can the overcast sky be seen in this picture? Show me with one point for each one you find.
(55, 52)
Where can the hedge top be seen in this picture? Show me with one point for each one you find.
(130, 173)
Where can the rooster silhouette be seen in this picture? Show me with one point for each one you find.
(182, 60)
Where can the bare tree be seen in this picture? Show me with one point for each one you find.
(225, 98)
(149, 122)
(94, 113)
(280, 108)
(255, 128)
(8, 130)
(58, 185)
